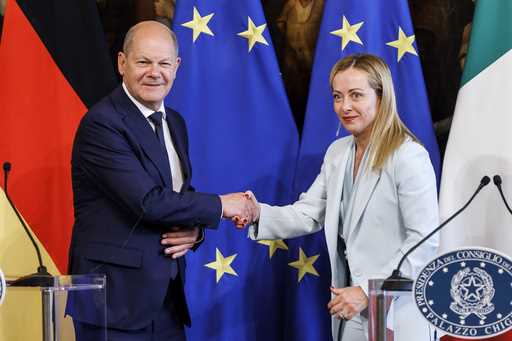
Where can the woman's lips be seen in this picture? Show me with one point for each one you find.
(348, 118)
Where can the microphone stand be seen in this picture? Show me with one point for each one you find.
(497, 181)
(41, 278)
(396, 282)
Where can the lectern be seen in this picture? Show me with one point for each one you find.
(66, 297)
(393, 315)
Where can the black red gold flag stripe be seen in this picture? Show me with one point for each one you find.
(54, 64)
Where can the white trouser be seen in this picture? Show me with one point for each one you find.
(353, 330)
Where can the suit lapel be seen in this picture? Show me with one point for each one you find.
(334, 192)
(365, 189)
(179, 146)
(140, 127)
(335, 188)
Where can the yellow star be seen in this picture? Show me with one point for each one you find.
(348, 33)
(305, 264)
(273, 245)
(254, 34)
(222, 265)
(403, 44)
(199, 24)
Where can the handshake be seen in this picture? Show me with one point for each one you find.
(241, 208)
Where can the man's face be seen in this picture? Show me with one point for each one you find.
(149, 66)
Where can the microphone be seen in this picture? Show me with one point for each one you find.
(396, 282)
(7, 169)
(41, 278)
(497, 181)
(338, 130)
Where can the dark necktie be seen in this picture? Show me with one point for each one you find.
(156, 119)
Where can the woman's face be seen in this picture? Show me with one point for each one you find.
(355, 102)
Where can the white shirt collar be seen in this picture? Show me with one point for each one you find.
(143, 109)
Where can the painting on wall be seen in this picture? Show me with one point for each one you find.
(294, 27)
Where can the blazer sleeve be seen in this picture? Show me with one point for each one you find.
(417, 200)
(108, 158)
(303, 217)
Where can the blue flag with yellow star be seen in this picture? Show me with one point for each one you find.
(383, 28)
(242, 136)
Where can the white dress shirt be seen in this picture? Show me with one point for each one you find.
(174, 160)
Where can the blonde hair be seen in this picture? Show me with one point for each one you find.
(388, 130)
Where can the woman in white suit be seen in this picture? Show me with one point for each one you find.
(375, 195)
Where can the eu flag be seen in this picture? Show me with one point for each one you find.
(379, 27)
(242, 136)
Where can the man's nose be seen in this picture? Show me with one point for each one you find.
(154, 70)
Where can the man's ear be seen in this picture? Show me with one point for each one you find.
(121, 63)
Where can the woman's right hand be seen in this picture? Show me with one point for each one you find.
(348, 302)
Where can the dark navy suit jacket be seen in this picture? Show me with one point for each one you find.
(123, 201)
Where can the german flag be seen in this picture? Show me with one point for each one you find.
(54, 64)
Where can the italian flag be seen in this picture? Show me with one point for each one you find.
(480, 141)
(54, 64)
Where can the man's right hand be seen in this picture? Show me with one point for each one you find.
(239, 207)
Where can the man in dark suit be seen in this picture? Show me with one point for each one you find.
(136, 214)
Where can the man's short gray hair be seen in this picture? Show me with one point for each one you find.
(128, 38)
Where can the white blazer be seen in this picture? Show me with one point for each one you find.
(393, 209)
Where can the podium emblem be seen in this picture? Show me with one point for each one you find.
(467, 293)
(472, 292)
